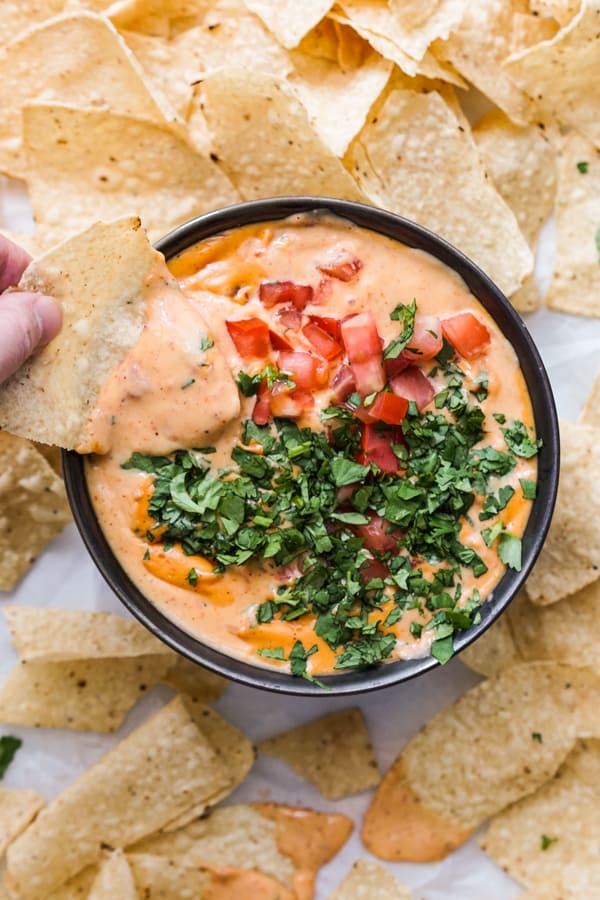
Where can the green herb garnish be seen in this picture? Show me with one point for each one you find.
(8, 748)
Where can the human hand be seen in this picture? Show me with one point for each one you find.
(27, 320)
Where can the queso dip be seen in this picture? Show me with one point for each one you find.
(320, 454)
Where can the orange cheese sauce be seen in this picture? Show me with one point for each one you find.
(170, 394)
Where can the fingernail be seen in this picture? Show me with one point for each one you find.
(49, 315)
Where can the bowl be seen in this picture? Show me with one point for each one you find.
(536, 378)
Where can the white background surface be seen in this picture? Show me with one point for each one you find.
(64, 577)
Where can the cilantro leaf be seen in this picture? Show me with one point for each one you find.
(271, 653)
(443, 649)
(8, 748)
(518, 440)
(529, 488)
(510, 551)
(405, 314)
(345, 471)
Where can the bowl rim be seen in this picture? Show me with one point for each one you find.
(546, 421)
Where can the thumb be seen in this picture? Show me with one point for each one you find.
(27, 321)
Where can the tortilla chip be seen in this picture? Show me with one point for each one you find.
(133, 791)
(575, 284)
(17, 15)
(160, 878)
(83, 695)
(570, 557)
(264, 140)
(169, 70)
(590, 415)
(416, 158)
(477, 756)
(17, 809)
(77, 153)
(493, 651)
(478, 47)
(528, 30)
(527, 298)
(549, 840)
(561, 74)
(77, 59)
(367, 880)
(289, 20)
(56, 635)
(77, 888)
(98, 279)
(313, 750)
(52, 455)
(561, 10)
(187, 677)
(33, 507)
(114, 880)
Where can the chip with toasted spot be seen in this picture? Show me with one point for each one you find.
(33, 507)
(367, 880)
(83, 695)
(529, 29)
(313, 751)
(17, 809)
(114, 879)
(289, 20)
(50, 635)
(481, 751)
(570, 557)
(98, 278)
(561, 10)
(189, 678)
(493, 651)
(145, 781)
(416, 158)
(78, 58)
(161, 878)
(575, 283)
(549, 841)
(264, 140)
(74, 153)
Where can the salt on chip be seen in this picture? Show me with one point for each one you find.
(417, 159)
(49, 635)
(189, 678)
(97, 277)
(17, 809)
(477, 756)
(33, 507)
(334, 753)
(289, 20)
(82, 695)
(77, 59)
(549, 841)
(114, 879)
(367, 880)
(570, 557)
(264, 140)
(141, 784)
(493, 651)
(575, 283)
(137, 166)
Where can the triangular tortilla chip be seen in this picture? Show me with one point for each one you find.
(17, 809)
(590, 415)
(289, 20)
(493, 651)
(114, 880)
(367, 880)
(187, 677)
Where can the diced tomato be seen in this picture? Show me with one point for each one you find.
(324, 291)
(332, 326)
(273, 292)
(290, 317)
(427, 340)
(278, 342)
(308, 372)
(373, 568)
(363, 346)
(323, 343)
(343, 383)
(251, 337)
(260, 413)
(376, 447)
(467, 334)
(389, 408)
(344, 268)
(378, 535)
(288, 404)
(395, 366)
(412, 384)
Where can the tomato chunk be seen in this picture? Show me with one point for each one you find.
(288, 404)
(412, 384)
(273, 292)
(363, 346)
(467, 334)
(344, 268)
(332, 326)
(343, 383)
(378, 535)
(389, 408)
(376, 447)
(323, 343)
(278, 342)
(289, 317)
(427, 340)
(373, 568)
(308, 372)
(262, 409)
(395, 366)
(251, 337)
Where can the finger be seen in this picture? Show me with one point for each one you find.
(13, 262)
(27, 321)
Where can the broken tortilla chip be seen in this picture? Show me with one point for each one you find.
(570, 557)
(114, 879)
(549, 840)
(264, 140)
(83, 695)
(477, 756)
(415, 158)
(141, 784)
(289, 20)
(17, 809)
(313, 750)
(494, 650)
(575, 283)
(33, 507)
(98, 278)
(367, 880)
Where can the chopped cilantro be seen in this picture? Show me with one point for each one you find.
(405, 314)
(443, 649)
(415, 629)
(345, 471)
(493, 505)
(546, 842)
(206, 343)
(510, 550)
(188, 383)
(271, 653)
(536, 736)
(8, 747)
(518, 440)
(490, 535)
(500, 417)
(583, 167)
(192, 577)
(146, 555)
(529, 488)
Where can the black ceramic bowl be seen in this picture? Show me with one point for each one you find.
(545, 420)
